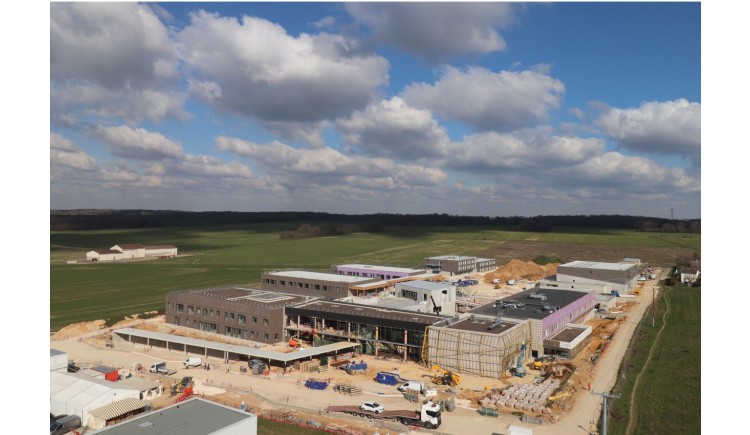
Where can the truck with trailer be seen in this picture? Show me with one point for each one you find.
(429, 415)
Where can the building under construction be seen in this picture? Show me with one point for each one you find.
(492, 338)
(470, 343)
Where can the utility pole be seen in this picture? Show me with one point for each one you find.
(604, 407)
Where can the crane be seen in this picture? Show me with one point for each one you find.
(519, 370)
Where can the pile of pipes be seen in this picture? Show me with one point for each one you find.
(525, 397)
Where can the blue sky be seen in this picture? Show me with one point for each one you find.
(475, 109)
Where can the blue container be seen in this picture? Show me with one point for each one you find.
(387, 378)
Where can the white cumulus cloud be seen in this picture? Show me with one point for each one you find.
(665, 128)
(258, 70)
(390, 128)
(138, 143)
(487, 100)
(111, 60)
(437, 31)
(66, 153)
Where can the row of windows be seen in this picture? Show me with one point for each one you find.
(209, 312)
(306, 285)
(228, 330)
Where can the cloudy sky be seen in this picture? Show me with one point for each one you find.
(475, 109)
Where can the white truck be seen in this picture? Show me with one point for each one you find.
(429, 415)
(162, 369)
(193, 361)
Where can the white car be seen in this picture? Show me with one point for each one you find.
(372, 407)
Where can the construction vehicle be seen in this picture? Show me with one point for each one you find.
(428, 416)
(179, 388)
(444, 377)
(539, 361)
(519, 371)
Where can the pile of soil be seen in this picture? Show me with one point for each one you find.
(77, 329)
(517, 269)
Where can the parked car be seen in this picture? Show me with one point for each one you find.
(64, 424)
(372, 407)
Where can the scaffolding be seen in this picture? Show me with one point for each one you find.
(485, 354)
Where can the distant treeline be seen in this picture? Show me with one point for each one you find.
(306, 231)
(331, 224)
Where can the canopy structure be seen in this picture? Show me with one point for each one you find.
(99, 417)
(228, 351)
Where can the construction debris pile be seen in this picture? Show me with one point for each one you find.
(517, 269)
(526, 397)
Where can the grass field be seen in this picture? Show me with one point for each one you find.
(270, 427)
(668, 398)
(237, 254)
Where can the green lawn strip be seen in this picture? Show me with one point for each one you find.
(668, 395)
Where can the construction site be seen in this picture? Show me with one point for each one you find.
(490, 365)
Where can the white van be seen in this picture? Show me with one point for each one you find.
(193, 361)
(411, 386)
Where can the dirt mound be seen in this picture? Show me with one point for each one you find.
(77, 329)
(517, 269)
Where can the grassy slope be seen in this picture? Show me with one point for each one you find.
(237, 254)
(668, 396)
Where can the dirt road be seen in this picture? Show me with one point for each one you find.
(588, 408)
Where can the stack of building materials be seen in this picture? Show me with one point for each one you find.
(527, 397)
(352, 390)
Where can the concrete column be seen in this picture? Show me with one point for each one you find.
(376, 341)
(406, 342)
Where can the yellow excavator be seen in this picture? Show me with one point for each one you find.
(444, 377)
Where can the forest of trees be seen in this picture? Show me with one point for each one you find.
(315, 224)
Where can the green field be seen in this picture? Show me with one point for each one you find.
(668, 398)
(236, 254)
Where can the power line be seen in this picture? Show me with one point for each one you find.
(606, 396)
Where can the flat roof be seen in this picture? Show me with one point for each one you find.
(451, 257)
(555, 297)
(303, 274)
(237, 349)
(598, 265)
(368, 311)
(482, 324)
(380, 268)
(194, 416)
(568, 334)
(250, 296)
(425, 285)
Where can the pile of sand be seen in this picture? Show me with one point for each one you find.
(517, 269)
(77, 329)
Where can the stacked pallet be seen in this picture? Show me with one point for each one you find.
(352, 390)
(527, 397)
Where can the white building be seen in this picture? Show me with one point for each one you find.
(58, 361)
(617, 276)
(75, 394)
(435, 298)
(133, 250)
(161, 251)
(104, 255)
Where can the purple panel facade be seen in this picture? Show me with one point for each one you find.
(556, 321)
(370, 272)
